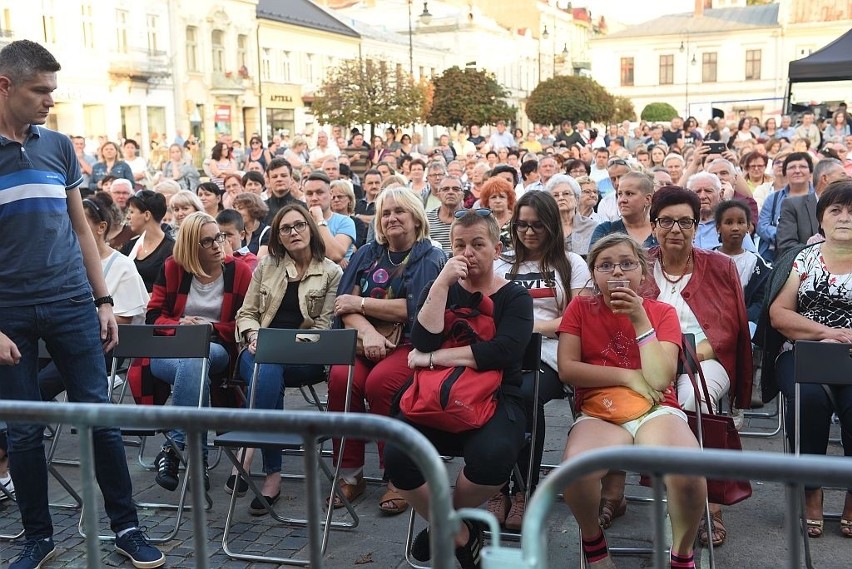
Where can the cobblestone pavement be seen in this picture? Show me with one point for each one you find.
(756, 535)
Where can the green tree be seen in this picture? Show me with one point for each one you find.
(658, 112)
(569, 97)
(468, 96)
(370, 92)
(624, 110)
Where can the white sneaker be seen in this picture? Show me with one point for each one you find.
(8, 486)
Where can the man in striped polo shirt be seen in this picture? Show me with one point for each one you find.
(49, 274)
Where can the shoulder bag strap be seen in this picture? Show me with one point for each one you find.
(688, 356)
(109, 263)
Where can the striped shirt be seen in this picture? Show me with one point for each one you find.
(42, 261)
(439, 231)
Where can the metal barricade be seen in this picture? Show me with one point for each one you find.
(769, 467)
(311, 425)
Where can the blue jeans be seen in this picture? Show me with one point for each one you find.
(271, 381)
(71, 331)
(184, 374)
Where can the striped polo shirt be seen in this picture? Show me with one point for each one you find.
(41, 260)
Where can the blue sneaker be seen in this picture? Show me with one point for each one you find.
(36, 553)
(134, 545)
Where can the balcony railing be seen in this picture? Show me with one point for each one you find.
(140, 64)
(228, 80)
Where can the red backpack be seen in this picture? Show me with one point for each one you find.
(457, 399)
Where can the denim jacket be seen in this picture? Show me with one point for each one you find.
(317, 291)
(424, 264)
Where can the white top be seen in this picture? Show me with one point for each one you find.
(549, 297)
(670, 293)
(205, 300)
(608, 207)
(598, 175)
(745, 262)
(126, 287)
(138, 165)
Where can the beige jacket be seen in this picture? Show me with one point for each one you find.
(317, 291)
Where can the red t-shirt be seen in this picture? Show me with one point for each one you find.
(608, 339)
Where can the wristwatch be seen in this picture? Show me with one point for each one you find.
(323, 223)
(104, 300)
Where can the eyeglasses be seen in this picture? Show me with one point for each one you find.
(207, 242)
(339, 197)
(522, 226)
(298, 227)
(756, 166)
(451, 189)
(607, 267)
(481, 212)
(684, 223)
(565, 194)
(589, 192)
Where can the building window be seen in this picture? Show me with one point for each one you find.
(217, 41)
(752, 64)
(192, 48)
(266, 64)
(88, 25)
(285, 66)
(152, 33)
(121, 19)
(309, 68)
(708, 67)
(626, 71)
(242, 51)
(666, 69)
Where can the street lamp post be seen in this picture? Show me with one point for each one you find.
(425, 17)
(544, 35)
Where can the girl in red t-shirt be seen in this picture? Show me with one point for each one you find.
(612, 341)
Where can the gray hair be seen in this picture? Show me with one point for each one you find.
(727, 163)
(705, 176)
(674, 156)
(823, 166)
(560, 179)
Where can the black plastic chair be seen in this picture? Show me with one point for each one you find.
(531, 362)
(824, 363)
(293, 347)
(156, 342)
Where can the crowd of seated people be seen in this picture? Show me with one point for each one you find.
(546, 226)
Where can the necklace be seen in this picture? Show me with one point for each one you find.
(401, 262)
(674, 282)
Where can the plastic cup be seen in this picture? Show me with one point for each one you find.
(612, 284)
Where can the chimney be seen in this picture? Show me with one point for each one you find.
(699, 8)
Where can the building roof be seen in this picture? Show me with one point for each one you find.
(303, 13)
(712, 21)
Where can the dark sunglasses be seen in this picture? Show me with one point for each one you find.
(481, 212)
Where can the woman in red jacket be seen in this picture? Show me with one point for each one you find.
(198, 285)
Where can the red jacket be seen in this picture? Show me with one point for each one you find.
(168, 300)
(715, 296)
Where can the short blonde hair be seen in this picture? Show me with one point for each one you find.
(187, 244)
(410, 202)
(183, 198)
(346, 187)
(167, 187)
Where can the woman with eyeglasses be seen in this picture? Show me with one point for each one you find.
(539, 262)
(199, 284)
(151, 246)
(620, 351)
(293, 287)
(381, 286)
(704, 288)
(754, 166)
(576, 229)
(589, 197)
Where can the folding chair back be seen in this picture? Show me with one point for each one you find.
(305, 347)
(148, 341)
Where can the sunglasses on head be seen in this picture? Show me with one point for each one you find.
(481, 212)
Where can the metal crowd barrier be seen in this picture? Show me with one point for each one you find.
(794, 472)
(310, 424)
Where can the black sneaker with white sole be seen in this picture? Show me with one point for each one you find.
(470, 554)
(168, 463)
